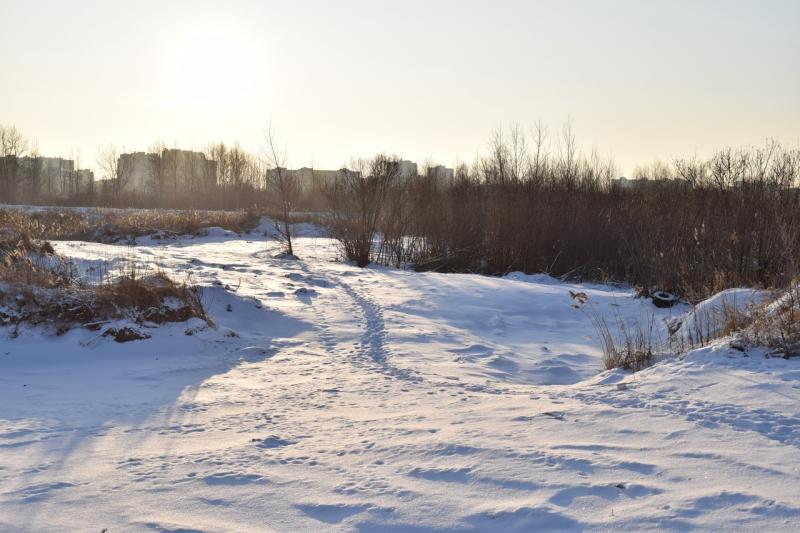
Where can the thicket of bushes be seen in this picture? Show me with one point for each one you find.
(535, 203)
(696, 226)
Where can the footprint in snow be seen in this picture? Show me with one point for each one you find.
(273, 442)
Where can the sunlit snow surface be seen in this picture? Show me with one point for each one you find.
(331, 398)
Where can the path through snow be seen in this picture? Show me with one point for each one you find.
(335, 398)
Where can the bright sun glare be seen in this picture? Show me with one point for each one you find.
(210, 65)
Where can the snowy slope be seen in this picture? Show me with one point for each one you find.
(331, 398)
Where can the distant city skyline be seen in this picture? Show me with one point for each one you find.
(640, 80)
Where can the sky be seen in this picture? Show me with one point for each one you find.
(426, 80)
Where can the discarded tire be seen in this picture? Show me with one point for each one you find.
(664, 299)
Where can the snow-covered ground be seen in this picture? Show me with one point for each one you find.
(331, 398)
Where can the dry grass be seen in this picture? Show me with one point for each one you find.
(117, 225)
(712, 323)
(31, 262)
(152, 298)
(772, 324)
(38, 287)
(776, 324)
(627, 347)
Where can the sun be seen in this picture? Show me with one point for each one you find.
(210, 65)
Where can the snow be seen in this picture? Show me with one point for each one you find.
(707, 317)
(331, 398)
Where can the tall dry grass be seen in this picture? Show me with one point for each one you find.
(39, 287)
(776, 323)
(626, 346)
(116, 225)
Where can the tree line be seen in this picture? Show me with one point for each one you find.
(538, 204)
(535, 202)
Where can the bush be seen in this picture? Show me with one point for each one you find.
(355, 205)
(701, 227)
(38, 287)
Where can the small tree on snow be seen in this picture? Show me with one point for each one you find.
(283, 189)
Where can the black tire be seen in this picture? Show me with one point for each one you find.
(663, 299)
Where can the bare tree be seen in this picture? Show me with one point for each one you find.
(219, 152)
(158, 170)
(13, 146)
(115, 169)
(356, 203)
(283, 187)
(107, 160)
(539, 160)
(693, 171)
(569, 155)
(495, 167)
(519, 155)
(657, 171)
(12, 142)
(238, 163)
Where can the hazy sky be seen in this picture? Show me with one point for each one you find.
(422, 79)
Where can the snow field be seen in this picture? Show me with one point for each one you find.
(331, 398)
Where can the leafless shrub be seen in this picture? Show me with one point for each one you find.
(355, 205)
(693, 228)
(284, 190)
(397, 244)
